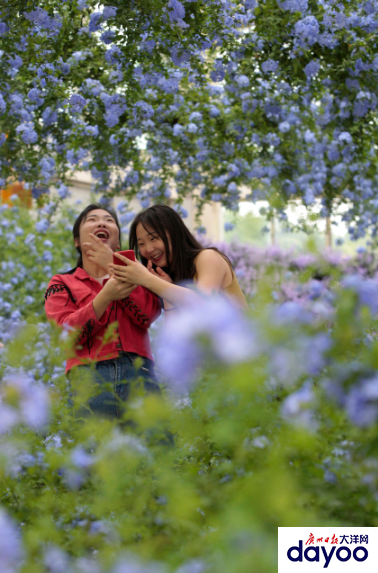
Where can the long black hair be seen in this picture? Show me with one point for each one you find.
(162, 219)
(81, 218)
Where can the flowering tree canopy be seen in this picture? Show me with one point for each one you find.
(279, 97)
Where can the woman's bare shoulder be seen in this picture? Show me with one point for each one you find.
(210, 257)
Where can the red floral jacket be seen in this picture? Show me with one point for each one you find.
(68, 301)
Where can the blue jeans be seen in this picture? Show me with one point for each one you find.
(112, 380)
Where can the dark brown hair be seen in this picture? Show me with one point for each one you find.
(163, 220)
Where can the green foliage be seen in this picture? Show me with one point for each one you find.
(206, 477)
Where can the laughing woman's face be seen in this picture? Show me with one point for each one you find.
(101, 224)
(151, 246)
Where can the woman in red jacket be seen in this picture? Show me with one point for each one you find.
(89, 300)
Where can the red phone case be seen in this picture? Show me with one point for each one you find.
(128, 254)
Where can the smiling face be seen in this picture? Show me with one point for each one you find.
(100, 223)
(151, 246)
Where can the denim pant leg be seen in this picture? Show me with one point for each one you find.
(127, 372)
(102, 400)
(111, 382)
(105, 400)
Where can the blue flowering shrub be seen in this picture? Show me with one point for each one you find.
(278, 96)
(268, 420)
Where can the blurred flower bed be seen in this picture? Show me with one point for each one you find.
(273, 417)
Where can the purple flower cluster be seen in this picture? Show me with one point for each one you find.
(32, 402)
(230, 339)
(77, 103)
(41, 19)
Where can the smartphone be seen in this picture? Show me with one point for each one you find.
(128, 254)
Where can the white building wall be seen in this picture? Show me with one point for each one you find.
(212, 219)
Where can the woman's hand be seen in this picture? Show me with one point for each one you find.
(133, 273)
(98, 252)
(115, 289)
(158, 273)
(112, 290)
(165, 277)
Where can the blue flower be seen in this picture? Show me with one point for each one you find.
(132, 177)
(307, 30)
(178, 129)
(284, 126)
(219, 73)
(15, 62)
(2, 138)
(232, 187)
(177, 13)
(243, 81)
(28, 133)
(195, 116)
(29, 239)
(179, 55)
(291, 312)
(192, 128)
(312, 69)
(2, 104)
(269, 66)
(42, 20)
(3, 28)
(367, 291)
(214, 111)
(77, 103)
(113, 55)
(228, 226)
(63, 191)
(230, 337)
(294, 5)
(49, 116)
(33, 403)
(109, 12)
(295, 407)
(362, 403)
(41, 226)
(180, 210)
(81, 459)
(127, 217)
(47, 256)
(95, 22)
(11, 549)
(144, 109)
(47, 165)
(107, 37)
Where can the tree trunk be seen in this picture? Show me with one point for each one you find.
(328, 233)
(272, 231)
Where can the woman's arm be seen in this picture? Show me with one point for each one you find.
(211, 270)
(136, 273)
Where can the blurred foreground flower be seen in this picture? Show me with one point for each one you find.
(362, 403)
(367, 291)
(23, 401)
(10, 546)
(213, 320)
(296, 407)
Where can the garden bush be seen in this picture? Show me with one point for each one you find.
(273, 417)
